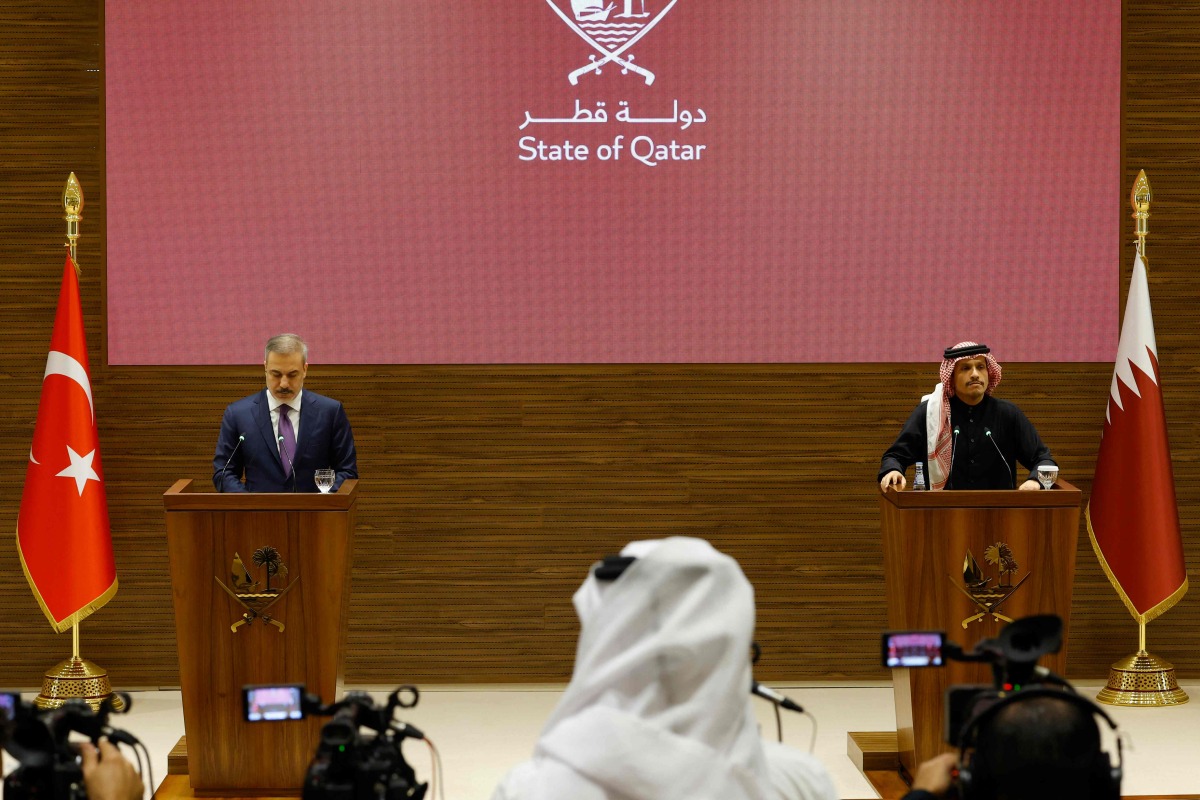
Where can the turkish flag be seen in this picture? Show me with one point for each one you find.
(62, 528)
(1132, 516)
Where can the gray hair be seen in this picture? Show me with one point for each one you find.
(285, 344)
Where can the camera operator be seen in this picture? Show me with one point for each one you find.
(1032, 748)
(1029, 736)
(54, 766)
(658, 706)
(107, 774)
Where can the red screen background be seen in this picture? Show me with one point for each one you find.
(878, 180)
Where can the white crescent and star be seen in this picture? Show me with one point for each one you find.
(80, 470)
(62, 364)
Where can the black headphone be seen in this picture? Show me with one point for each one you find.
(1105, 777)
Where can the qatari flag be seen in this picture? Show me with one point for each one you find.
(62, 528)
(1132, 517)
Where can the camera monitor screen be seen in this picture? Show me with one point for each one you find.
(273, 703)
(913, 649)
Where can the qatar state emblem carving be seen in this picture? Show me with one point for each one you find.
(976, 586)
(256, 600)
(611, 32)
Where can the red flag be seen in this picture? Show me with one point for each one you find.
(62, 528)
(1132, 517)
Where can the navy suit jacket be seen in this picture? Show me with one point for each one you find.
(325, 442)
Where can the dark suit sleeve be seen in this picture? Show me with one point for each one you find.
(1031, 450)
(342, 453)
(909, 447)
(229, 452)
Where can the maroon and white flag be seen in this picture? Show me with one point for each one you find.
(1132, 517)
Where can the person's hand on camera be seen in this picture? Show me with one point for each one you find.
(936, 775)
(107, 774)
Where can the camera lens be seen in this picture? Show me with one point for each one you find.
(337, 733)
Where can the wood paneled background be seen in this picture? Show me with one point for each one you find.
(488, 490)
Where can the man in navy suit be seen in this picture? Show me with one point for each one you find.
(281, 436)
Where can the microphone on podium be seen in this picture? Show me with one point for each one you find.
(1012, 470)
(221, 482)
(290, 467)
(953, 451)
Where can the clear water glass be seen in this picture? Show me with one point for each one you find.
(324, 478)
(1047, 475)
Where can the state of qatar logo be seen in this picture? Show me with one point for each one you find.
(611, 28)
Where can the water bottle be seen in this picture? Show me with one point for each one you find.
(919, 484)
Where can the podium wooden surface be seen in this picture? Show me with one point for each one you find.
(314, 535)
(926, 536)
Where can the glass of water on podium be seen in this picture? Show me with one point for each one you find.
(324, 478)
(1047, 475)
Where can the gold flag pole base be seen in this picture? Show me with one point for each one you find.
(77, 679)
(1142, 679)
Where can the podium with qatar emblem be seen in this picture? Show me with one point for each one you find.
(966, 562)
(261, 588)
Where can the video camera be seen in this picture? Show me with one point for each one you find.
(49, 763)
(348, 765)
(1013, 656)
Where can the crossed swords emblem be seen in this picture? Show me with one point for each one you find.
(975, 585)
(614, 56)
(255, 605)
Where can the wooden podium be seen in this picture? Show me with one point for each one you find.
(926, 538)
(313, 535)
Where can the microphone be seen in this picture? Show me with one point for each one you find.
(221, 483)
(775, 697)
(988, 433)
(291, 468)
(406, 731)
(953, 450)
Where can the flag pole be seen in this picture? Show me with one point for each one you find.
(1142, 679)
(76, 678)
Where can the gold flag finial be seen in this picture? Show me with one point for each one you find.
(1139, 198)
(72, 198)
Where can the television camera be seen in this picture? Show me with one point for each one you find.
(349, 764)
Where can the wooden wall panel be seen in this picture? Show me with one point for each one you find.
(488, 490)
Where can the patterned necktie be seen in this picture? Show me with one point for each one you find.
(287, 447)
